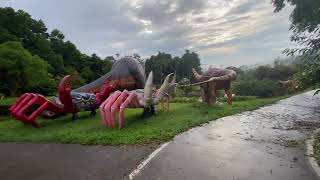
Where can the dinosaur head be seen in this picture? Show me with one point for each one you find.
(161, 91)
(197, 76)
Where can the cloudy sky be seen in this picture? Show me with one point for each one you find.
(222, 32)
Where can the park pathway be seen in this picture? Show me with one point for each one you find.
(29, 161)
(265, 144)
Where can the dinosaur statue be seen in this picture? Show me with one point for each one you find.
(126, 73)
(139, 98)
(213, 80)
(289, 85)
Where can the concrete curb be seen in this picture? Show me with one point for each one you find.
(311, 158)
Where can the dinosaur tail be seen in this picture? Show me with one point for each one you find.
(228, 77)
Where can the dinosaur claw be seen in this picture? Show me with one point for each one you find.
(65, 88)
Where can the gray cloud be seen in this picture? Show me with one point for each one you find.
(223, 32)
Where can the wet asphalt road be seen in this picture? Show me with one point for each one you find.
(265, 144)
(27, 161)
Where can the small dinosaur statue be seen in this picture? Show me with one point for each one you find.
(213, 80)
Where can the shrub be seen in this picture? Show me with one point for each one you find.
(4, 110)
(238, 98)
(20, 70)
(184, 100)
(265, 88)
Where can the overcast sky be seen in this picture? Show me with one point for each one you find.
(222, 32)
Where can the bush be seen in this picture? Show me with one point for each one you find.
(220, 99)
(20, 70)
(265, 88)
(184, 100)
(4, 110)
(238, 98)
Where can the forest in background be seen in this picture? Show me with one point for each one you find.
(34, 60)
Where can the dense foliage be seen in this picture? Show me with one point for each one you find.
(280, 70)
(163, 63)
(305, 25)
(41, 54)
(263, 88)
(21, 71)
(28, 40)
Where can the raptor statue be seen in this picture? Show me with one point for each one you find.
(213, 80)
(126, 74)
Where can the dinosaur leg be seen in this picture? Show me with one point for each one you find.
(213, 95)
(107, 107)
(74, 116)
(167, 103)
(102, 112)
(124, 105)
(148, 112)
(229, 96)
(115, 106)
(93, 114)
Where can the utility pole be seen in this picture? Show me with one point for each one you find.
(161, 74)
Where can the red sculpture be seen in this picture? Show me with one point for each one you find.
(126, 73)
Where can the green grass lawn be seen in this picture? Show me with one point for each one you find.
(162, 127)
(8, 101)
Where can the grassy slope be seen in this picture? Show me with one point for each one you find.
(159, 128)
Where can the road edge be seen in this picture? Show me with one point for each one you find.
(141, 166)
(310, 154)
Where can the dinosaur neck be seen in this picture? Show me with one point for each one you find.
(94, 86)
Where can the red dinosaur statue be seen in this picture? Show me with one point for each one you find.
(126, 73)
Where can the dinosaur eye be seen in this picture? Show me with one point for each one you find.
(78, 97)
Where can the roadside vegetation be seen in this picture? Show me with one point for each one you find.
(316, 146)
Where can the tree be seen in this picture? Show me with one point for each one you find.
(161, 65)
(20, 71)
(262, 72)
(186, 63)
(305, 20)
(305, 25)
(281, 71)
(51, 47)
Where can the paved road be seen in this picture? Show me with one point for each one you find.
(27, 161)
(266, 144)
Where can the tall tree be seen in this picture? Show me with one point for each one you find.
(305, 25)
(20, 71)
